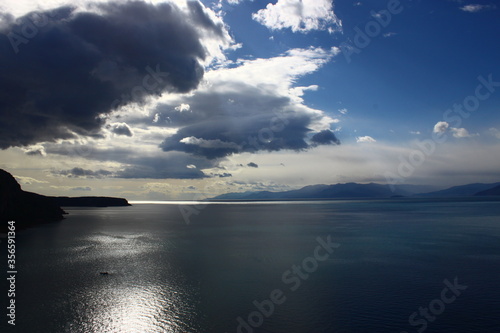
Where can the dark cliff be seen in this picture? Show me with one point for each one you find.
(90, 201)
(26, 208)
(29, 209)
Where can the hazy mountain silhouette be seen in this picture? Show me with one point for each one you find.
(337, 191)
(355, 190)
(461, 191)
(490, 192)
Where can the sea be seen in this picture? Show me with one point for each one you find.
(398, 265)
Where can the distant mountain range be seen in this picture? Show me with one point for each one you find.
(464, 190)
(492, 191)
(372, 190)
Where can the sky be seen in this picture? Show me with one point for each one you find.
(183, 100)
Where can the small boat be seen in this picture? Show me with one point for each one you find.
(104, 273)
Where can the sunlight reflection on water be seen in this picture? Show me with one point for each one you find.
(135, 309)
(134, 296)
(166, 276)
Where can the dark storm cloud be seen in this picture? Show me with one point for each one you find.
(121, 129)
(84, 173)
(237, 113)
(200, 17)
(228, 135)
(325, 137)
(72, 67)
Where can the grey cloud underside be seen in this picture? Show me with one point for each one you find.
(154, 168)
(121, 129)
(84, 173)
(167, 166)
(241, 119)
(226, 100)
(245, 133)
(80, 65)
(325, 137)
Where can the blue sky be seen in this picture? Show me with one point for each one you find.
(309, 91)
(426, 59)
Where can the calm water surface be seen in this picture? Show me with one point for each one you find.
(166, 275)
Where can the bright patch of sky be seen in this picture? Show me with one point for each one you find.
(311, 91)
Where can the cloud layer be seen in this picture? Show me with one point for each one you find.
(442, 127)
(299, 15)
(63, 70)
(248, 108)
(474, 8)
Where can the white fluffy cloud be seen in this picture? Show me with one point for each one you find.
(299, 15)
(19, 8)
(366, 138)
(441, 127)
(461, 133)
(208, 143)
(29, 180)
(474, 8)
(183, 107)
